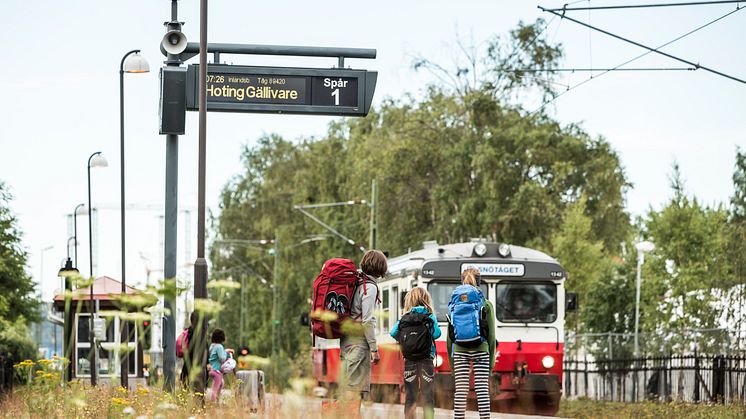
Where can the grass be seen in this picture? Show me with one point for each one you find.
(585, 408)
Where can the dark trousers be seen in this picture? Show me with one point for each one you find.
(419, 381)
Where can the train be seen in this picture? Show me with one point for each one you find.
(527, 290)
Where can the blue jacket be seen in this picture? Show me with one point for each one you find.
(435, 328)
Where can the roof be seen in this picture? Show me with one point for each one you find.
(431, 251)
(103, 287)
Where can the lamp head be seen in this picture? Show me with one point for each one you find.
(645, 247)
(99, 160)
(136, 63)
(67, 270)
(81, 210)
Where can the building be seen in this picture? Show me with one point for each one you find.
(106, 330)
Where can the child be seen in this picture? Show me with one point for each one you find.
(217, 356)
(416, 332)
(477, 356)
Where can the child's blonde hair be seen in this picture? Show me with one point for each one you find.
(470, 276)
(418, 297)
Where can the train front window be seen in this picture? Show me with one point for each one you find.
(526, 303)
(441, 293)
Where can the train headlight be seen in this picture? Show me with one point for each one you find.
(480, 249)
(437, 361)
(503, 250)
(547, 362)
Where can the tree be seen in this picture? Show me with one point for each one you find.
(688, 263)
(17, 305)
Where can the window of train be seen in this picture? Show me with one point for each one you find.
(395, 299)
(441, 292)
(385, 310)
(520, 302)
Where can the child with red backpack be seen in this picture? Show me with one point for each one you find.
(341, 295)
(416, 332)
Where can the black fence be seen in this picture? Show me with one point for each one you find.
(6, 376)
(691, 378)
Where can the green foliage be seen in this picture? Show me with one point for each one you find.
(17, 304)
(583, 258)
(15, 340)
(688, 263)
(585, 408)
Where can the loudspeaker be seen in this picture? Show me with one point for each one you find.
(174, 42)
(172, 107)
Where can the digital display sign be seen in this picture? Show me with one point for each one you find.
(283, 90)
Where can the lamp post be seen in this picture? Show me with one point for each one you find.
(642, 248)
(80, 209)
(41, 286)
(94, 160)
(135, 64)
(66, 272)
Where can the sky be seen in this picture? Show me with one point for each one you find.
(60, 89)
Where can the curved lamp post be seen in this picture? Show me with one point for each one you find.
(66, 272)
(95, 160)
(642, 248)
(80, 209)
(130, 64)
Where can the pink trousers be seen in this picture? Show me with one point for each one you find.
(217, 384)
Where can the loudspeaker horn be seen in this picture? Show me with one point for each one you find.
(174, 42)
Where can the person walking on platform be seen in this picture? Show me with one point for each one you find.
(471, 342)
(416, 332)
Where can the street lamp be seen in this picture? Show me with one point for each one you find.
(94, 160)
(642, 248)
(130, 64)
(79, 210)
(66, 272)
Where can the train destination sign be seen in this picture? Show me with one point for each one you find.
(283, 90)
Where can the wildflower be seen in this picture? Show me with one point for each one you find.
(167, 406)
(129, 410)
(207, 306)
(324, 315)
(121, 390)
(119, 401)
(223, 283)
(143, 390)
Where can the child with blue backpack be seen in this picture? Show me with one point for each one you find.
(471, 342)
(416, 332)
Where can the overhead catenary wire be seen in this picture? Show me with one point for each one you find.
(617, 67)
(643, 6)
(655, 50)
(579, 70)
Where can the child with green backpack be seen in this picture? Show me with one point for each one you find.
(471, 342)
(416, 332)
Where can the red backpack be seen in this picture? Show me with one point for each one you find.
(182, 342)
(333, 291)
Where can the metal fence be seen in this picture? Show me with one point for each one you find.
(6, 376)
(692, 378)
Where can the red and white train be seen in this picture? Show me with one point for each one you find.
(525, 286)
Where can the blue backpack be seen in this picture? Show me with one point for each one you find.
(467, 317)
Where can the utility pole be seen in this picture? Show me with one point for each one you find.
(168, 335)
(275, 320)
(373, 215)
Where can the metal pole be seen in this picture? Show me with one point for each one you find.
(67, 331)
(170, 219)
(92, 355)
(640, 259)
(75, 232)
(200, 265)
(275, 283)
(124, 369)
(373, 215)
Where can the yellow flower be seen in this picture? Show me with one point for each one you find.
(119, 401)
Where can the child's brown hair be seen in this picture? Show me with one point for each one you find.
(374, 263)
